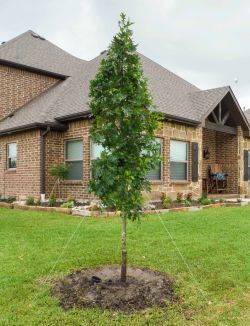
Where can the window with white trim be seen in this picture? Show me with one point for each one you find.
(96, 150)
(11, 156)
(178, 160)
(156, 173)
(74, 158)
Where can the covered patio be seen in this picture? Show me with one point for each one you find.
(222, 127)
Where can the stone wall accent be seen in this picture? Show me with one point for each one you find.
(174, 131)
(244, 144)
(25, 179)
(17, 87)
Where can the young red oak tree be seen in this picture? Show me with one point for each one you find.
(124, 122)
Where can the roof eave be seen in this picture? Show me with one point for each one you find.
(32, 69)
(182, 120)
(32, 126)
(88, 114)
(75, 116)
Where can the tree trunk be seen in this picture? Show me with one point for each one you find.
(124, 249)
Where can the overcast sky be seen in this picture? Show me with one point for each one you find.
(206, 42)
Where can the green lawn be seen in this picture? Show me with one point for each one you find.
(209, 260)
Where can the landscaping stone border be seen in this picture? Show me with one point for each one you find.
(86, 213)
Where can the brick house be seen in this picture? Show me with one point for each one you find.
(45, 119)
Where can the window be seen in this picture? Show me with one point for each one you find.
(96, 150)
(74, 159)
(11, 155)
(155, 174)
(178, 160)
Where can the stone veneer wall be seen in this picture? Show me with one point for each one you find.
(244, 144)
(25, 179)
(18, 87)
(189, 134)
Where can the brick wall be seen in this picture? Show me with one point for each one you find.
(80, 129)
(223, 149)
(55, 154)
(18, 87)
(25, 179)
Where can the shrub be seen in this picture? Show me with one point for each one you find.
(71, 199)
(52, 201)
(30, 201)
(186, 202)
(189, 196)
(60, 171)
(179, 197)
(204, 195)
(167, 202)
(68, 204)
(38, 202)
(8, 200)
(239, 200)
(163, 196)
(205, 201)
(222, 200)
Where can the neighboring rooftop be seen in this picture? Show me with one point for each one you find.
(172, 95)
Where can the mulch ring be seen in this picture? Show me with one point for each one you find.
(101, 287)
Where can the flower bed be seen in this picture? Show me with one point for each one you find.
(155, 208)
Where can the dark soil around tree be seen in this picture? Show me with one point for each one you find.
(101, 287)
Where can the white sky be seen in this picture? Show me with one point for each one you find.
(206, 42)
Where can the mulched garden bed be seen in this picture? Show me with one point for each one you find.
(176, 204)
(101, 287)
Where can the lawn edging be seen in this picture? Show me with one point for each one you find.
(67, 211)
(6, 205)
(96, 213)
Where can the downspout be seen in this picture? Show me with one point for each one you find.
(43, 161)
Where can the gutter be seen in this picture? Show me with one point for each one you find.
(186, 121)
(43, 158)
(54, 126)
(75, 116)
(88, 114)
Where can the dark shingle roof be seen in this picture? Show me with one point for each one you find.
(31, 50)
(172, 95)
(203, 101)
(247, 114)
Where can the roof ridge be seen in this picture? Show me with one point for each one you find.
(164, 68)
(12, 40)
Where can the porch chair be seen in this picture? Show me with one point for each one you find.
(218, 179)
